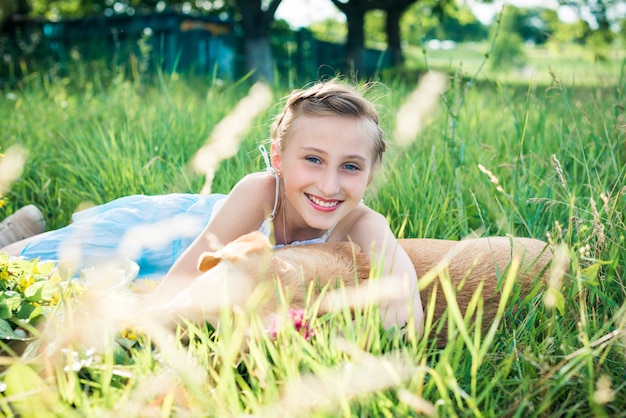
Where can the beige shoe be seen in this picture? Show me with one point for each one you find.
(24, 223)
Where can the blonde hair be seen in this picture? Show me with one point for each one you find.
(328, 98)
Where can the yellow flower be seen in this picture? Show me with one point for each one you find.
(54, 301)
(131, 332)
(26, 281)
(75, 288)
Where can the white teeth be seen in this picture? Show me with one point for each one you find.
(323, 204)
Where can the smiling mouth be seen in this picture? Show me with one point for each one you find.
(327, 204)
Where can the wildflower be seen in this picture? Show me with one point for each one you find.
(75, 361)
(301, 325)
(55, 299)
(131, 333)
(26, 281)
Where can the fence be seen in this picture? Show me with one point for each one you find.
(169, 41)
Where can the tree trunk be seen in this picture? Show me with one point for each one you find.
(355, 15)
(259, 58)
(394, 42)
(256, 23)
(395, 9)
(355, 45)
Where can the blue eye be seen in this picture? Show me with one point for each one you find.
(351, 167)
(313, 160)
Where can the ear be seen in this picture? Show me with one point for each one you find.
(235, 251)
(275, 157)
(208, 261)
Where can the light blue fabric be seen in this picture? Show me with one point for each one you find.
(165, 226)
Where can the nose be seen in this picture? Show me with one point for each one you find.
(328, 184)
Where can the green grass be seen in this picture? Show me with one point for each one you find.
(557, 149)
(574, 64)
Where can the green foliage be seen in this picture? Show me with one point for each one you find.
(329, 30)
(508, 50)
(603, 16)
(417, 21)
(375, 35)
(29, 290)
(54, 9)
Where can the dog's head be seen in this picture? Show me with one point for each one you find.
(293, 267)
(229, 276)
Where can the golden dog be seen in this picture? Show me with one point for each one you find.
(231, 274)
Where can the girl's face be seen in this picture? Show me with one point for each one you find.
(326, 165)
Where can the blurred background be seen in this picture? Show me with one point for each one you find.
(302, 40)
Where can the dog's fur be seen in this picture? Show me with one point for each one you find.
(239, 267)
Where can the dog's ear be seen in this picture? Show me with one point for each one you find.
(235, 251)
(207, 261)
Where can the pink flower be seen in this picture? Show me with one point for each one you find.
(296, 316)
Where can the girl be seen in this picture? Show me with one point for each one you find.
(326, 145)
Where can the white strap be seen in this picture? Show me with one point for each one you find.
(266, 158)
(269, 168)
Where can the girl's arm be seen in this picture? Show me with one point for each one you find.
(242, 211)
(373, 234)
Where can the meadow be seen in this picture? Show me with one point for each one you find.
(538, 159)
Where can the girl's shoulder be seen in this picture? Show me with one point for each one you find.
(365, 216)
(260, 181)
(361, 221)
(256, 190)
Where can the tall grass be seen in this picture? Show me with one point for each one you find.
(545, 161)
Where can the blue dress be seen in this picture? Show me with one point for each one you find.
(152, 231)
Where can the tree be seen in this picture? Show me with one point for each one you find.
(256, 20)
(329, 30)
(355, 17)
(439, 12)
(256, 17)
(461, 25)
(395, 9)
(508, 50)
(355, 11)
(10, 8)
(605, 16)
(562, 33)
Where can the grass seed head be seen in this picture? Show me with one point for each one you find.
(159, 234)
(604, 393)
(226, 137)
(11, 167)
(329, 387)
(414, 114)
